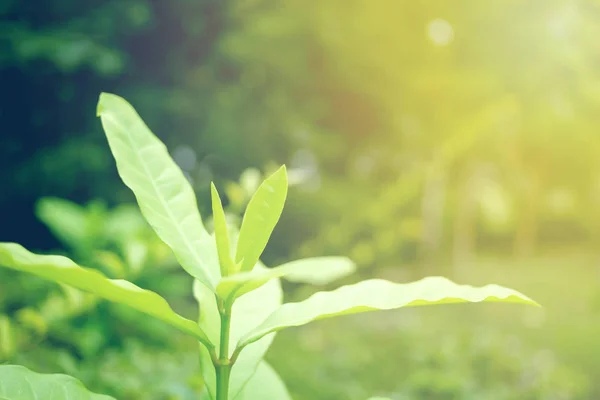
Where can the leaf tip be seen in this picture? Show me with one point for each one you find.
(101, 101)
(283, 170)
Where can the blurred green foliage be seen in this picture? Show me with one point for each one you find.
(62, 328)
(428, 133)
(462, 364)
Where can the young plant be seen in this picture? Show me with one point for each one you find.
(240, 299)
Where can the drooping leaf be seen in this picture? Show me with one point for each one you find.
(164, 195)
(20, 383)
(377, 294)
(265, 385)
(221, 234)
(260, 218)
(317, 270)
(247, 313)
(63, 270)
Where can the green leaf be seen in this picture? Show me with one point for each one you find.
(235, 286)
(62, 270)
(317, 270)
(222, 236)
(260, 218)
(66, 220)
(247, 313)
(164, 195)
(265, 385)
(19, 383)
(377, 294)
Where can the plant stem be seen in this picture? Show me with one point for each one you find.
(223, 371)
(225, 328)
(223, 364)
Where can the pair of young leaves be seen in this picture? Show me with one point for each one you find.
(224, 268)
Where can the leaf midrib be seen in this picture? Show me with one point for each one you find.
(159, 196)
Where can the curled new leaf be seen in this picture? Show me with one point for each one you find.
(377, 294)
(19, 383)
(164, 195)
(62, 270)
(260, 218)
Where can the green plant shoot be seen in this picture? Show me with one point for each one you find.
(240, 299)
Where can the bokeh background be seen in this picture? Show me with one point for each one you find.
(423, 137)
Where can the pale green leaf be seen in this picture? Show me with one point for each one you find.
(20, 383)
(247, 313)
(260, 218)
(235, 286)
(62, 270)
(164, 195)
(221, 234)
(377, 294)
(265, 385)
(317, 270)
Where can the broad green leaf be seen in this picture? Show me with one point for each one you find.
(317, 270)
(377, 294)
(221, 234)
(247, 313)
(265, 385)
(260, 218)
(164, 195)
(62, 270)
(20, 383)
